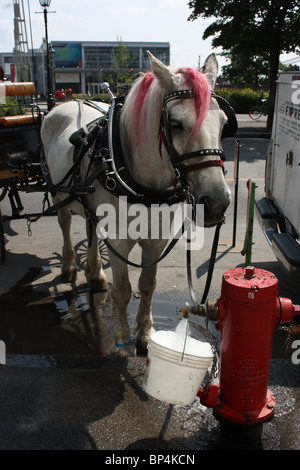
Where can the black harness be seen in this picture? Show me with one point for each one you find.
(100, 140)
(117, 179)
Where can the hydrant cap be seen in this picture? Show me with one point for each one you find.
(250, 284)
(249, 272)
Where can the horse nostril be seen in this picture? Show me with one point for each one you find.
(213, 208)
(205, 213)
(206, 201)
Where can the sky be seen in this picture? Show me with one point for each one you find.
(108, 20)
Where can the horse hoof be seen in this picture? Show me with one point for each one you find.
(142, 342)
(141, 349)
(67, 276)
(99, 285)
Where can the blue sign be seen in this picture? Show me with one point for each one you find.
(68, 55)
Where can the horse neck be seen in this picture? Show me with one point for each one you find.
(141, 151)
(148, 168)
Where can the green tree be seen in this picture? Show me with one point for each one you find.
(250, 71)
(253, 28)
(122, 62)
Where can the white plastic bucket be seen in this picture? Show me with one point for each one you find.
(176, 367)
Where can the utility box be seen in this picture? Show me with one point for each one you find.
(279, 211)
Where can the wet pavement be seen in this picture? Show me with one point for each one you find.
(61, 388)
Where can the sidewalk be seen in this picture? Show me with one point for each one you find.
(78, 401)
(247, 127)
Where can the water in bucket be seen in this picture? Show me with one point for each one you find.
(177, 365)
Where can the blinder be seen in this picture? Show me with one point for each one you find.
(231, 126)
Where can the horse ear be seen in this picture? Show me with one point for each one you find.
(162, 72)
(210, 68)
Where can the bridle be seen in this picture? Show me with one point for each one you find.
(165, 138)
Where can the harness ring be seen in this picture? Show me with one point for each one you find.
(110, 183)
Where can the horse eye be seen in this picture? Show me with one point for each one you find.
(175, 124)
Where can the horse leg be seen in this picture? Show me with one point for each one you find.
(120, 294)
(147, 283)
(93, 270)
(69, 267)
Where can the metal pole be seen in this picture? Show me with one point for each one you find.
(32, 51)
(251, 190)
(50, 101)
(236, 188)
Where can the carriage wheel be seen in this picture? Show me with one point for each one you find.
(3, 192)
(81, 250)
(2, 240)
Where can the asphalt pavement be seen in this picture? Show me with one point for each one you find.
(61, 389)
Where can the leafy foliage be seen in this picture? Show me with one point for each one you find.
(103, 97)
(242, 99)
(255, 28)
(251, 26)
(11, 107)
(122, 75)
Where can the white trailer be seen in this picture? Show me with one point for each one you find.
(279, 211)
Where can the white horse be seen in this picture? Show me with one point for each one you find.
(193, 123)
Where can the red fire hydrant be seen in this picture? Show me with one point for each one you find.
(248, 311)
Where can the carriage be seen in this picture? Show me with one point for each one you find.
(20, 148)
(22, 164)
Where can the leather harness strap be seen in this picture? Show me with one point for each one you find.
(201, 165)
(201, 153)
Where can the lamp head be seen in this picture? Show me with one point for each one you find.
(45, 3)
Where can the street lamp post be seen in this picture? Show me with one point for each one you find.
(50, 100)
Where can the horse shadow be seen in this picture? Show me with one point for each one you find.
(62, 408)
(59, 380)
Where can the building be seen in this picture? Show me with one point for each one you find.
(83, 66)
(6, 62)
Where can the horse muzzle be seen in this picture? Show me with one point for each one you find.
(214, 208)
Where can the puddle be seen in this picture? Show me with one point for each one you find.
(41, 320)
(44, 323)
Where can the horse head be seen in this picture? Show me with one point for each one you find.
(195, 127)
(191, 126)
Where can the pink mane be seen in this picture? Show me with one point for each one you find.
(143, 91)
(202, 93)
(194, 80)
